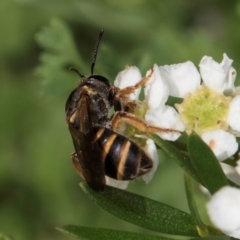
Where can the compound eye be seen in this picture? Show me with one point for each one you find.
(101, 79)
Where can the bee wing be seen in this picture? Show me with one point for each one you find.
(87, 150)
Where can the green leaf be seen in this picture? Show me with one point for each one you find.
(180, 157)
(60, 52)
(206, 164)
(109, 234)
(144, 212)
(57, 40)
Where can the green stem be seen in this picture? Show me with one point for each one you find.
(201, 227)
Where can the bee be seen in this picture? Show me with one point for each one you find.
(99, 149)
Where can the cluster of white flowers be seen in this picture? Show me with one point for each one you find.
(210, 107)
(156, 112)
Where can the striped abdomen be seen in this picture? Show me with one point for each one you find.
(123, 159)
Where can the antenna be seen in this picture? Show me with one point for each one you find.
(96, 50)
(76, 71)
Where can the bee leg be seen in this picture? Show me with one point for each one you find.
(76, 164)
(121, 101)
(131, 89)
(137, 122)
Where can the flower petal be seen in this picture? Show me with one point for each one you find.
(238, 167)
(235, 234)
(231, 79)
(116, 183)
(214, 75)
(222, 143)
(151, 151)
(156, 89)
(165, 117)
(182, 78)
(231, 173)
(234, 114)
(224, 210)
(129, 77)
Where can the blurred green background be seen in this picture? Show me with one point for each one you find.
(38, 184)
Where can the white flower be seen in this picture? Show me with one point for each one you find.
(116, 183)
(222, 143)
(151, 150)
(156, 89)
(156, 94)
(158, 114)
(238, 167)
(232, 173)
(129, 77)
(216, 76)
(234, 113)
(224, 210)
(177, 75)
(205, 108)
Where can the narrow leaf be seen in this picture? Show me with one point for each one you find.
(206, 164)
(144, 212)
(180, 157)
(89, 233)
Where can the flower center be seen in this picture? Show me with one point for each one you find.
(204, 110)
